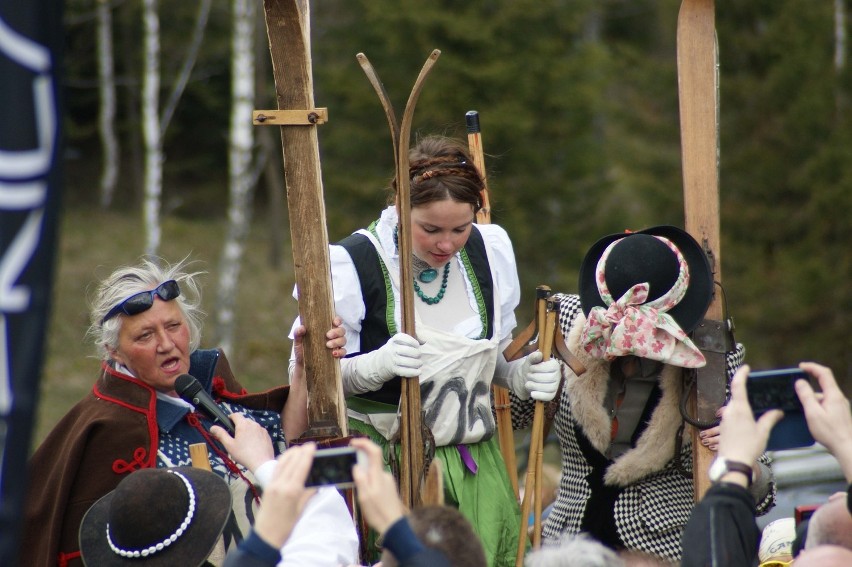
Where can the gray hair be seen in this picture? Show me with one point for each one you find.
(574, 550)
(145, 276)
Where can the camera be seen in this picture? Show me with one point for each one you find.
(333, 467)
(774, 389)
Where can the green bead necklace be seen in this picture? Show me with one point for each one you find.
(433, 300)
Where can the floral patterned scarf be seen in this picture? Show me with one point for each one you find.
(630, 326)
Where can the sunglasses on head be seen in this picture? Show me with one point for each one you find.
(142, 301)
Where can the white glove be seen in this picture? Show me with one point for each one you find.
(400, 356)
(530, 377)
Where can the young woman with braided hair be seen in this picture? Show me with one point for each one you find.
(466, 286)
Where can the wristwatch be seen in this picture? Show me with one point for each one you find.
(721, 467)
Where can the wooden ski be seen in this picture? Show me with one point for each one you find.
(698, 90)
(288, 28)
(412, 442)
(502, 402)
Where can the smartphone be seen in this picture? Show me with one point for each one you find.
(774, 389)
(333, 467)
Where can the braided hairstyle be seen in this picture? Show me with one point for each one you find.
(441, 168)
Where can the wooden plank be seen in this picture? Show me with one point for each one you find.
(698, 87)
(307, 117)
(288, 28)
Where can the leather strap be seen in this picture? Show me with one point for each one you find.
(736, 466)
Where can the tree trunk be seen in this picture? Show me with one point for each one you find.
(839, 35)
(241, 181)
(106, 115)
(188, 63)
(151, 132)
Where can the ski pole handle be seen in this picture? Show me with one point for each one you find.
(474, 142)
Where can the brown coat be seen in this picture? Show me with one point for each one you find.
(108, 434)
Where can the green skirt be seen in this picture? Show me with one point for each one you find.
(486, 498)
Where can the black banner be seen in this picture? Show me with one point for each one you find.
(30, 119)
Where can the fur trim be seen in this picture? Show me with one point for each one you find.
(586, 394)
(655, 448)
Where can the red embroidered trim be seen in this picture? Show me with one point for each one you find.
(120, 466)
(150, 413)
(222, 392)
(63, 558)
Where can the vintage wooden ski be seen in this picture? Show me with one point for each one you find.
(502, 402)
(288, 27)
(412, 441)
(698, 90)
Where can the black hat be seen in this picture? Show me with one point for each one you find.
(640, 257)
(184, 505)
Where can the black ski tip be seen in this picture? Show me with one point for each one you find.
(472, 119)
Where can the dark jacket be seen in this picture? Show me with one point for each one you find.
(722, 530)
(108, 434)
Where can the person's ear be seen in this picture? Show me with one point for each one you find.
(116, 356)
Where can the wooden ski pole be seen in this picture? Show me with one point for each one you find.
(474, 142)
(412, 458)
(199, 456)
(698, 88)
(532, 490)
(502, 402)
(547, 347)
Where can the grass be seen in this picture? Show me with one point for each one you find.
(92, 243)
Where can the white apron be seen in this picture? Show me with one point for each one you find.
(455, 383)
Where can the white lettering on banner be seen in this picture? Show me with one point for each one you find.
(36, 58)
(23, 187)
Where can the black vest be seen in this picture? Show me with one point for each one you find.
(377, 293)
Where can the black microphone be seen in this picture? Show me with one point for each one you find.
(190, 390)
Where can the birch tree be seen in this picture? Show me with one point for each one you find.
(153, 125)
(151, 133)
(241, 179)
(106, 115)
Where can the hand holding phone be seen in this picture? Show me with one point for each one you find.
(333, 467)
(774, 389)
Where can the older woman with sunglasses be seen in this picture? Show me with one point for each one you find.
(146, 325)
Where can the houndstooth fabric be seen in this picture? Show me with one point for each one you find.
(649, 513)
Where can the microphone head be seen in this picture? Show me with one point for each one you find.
(187, 386)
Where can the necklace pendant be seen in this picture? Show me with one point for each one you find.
(428, 275)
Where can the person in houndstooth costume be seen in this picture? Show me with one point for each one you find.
(625, 448)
